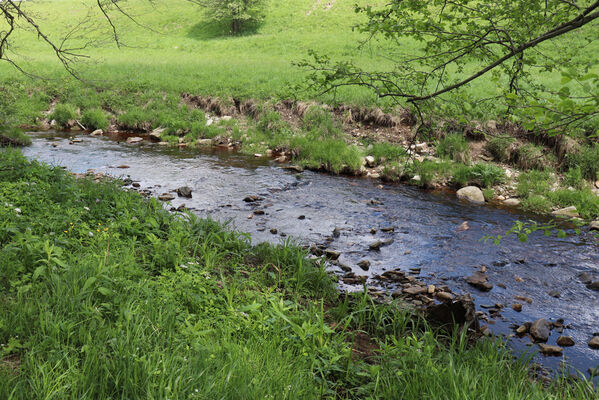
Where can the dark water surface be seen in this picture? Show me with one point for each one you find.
(425, 236)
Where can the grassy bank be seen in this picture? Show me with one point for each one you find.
(106, 295)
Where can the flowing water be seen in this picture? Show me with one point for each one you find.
(308, 206)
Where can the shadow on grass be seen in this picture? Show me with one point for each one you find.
(220, 30)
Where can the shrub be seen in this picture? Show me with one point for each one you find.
(574, 178)
(586, 202)
(487, 175)
(587, 159)
(13, 137)
(533, 182)
(237, 13)
(537, 203)
(500, 148)
(319, 121)
(481, 174)
(489, 194)
(63, 113)
(531, 156)
(428, 171)
(454, 146)
(387, 152)
(94, 119)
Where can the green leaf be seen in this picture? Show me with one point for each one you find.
(90, 281)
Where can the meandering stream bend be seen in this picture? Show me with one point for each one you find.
(426, 225)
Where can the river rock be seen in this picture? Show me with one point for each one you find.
(414, 290)
(252, 198)
(166, 197)
(565, 341)
(585, 277)
(204, 142)
(555, 293)
(376, 245)
(461, 311)
(479, 281)
(97, 132)
(594, 285)
(184, 191)
(594, 226)
(332, 254)
(134, 139)
(369, 161)
(594, 342)
(511, 202)
(444, 296)
(517, 307)
(364, 264)
(540, 330)
(568, 212)
(471, 194)
(156, 134)
(549, 350)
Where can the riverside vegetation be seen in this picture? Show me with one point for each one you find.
(106, 295)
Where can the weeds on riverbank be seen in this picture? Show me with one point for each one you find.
(13, 137)
(107, 295)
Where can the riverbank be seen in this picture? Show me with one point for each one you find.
(498, 162)
(142, 308)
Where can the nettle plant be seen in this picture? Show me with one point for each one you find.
(440, 47)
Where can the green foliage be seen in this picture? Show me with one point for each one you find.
(573, 177)
(63, 113)
(531, 156)
(481, 174)
(586, 202)
(587, 160)
(94, 119)
(537, 203)
(428, 171)
(328, 154)
(489, 194)
(319, 121)
(500, 148)
(534, 182)
(454, 146)
(238, 14)
(13, 137)
(383, 151)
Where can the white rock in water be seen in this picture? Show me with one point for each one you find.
(471, 194)
(511, 202)
(134, 139)
(97, 132)
(566, 212)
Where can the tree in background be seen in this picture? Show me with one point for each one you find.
(439, 47)
(237, 13)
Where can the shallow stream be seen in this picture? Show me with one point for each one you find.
(308, 206)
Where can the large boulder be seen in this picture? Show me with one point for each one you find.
(156, 134)
(471, 194)
(594, 226)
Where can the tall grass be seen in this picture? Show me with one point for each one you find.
(107, 295)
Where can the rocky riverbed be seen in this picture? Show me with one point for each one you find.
(403, 242)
